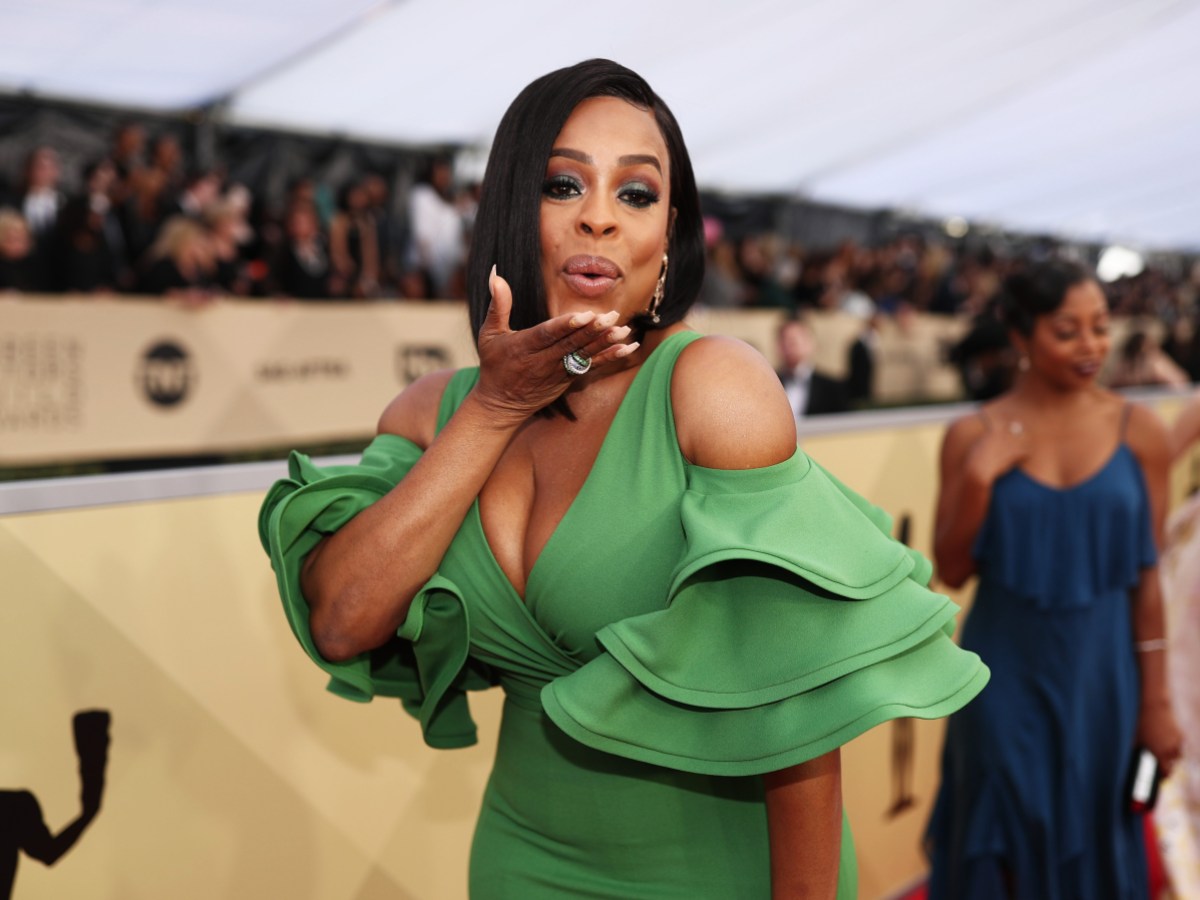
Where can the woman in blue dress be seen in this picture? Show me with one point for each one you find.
(1054, 494)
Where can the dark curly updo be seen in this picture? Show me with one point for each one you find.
(1037, 290)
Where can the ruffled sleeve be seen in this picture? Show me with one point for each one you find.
(794, 623)
(426, 665)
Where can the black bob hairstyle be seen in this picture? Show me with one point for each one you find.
(1038, 290)
(506, 230)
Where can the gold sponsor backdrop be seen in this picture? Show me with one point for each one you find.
(233, 774)
(94, 379)
(87, 379)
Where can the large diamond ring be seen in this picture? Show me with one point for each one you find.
(576, 363)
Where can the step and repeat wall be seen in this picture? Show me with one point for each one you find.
(221, 766)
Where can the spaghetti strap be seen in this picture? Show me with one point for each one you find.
(1124, 420)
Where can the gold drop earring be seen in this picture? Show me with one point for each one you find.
(659, 290)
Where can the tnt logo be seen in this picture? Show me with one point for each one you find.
(166, 374)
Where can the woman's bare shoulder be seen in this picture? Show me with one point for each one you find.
(966, 429)
(1146, 433)
(731, 411)
(413, 413)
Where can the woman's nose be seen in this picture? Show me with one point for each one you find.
(596, 216)
(1091, 343)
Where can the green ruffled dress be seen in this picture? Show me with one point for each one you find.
(684, 631)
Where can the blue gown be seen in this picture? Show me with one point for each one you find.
(1033, 772)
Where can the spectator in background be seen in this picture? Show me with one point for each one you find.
(181, 262)
(810, 284)
(17, 268)
(967, 285)
(842, 292)
(166, 158)
(201, 188)
(91, 241)
(128, 145)
(255, 241)
(895, 289)
(228, 232)
(125, 155)
(809, 392)
(1142, 363)
(756, 257)
(438, 241)
(353, 245)
(301, 267)
(40, 198)
(142, 212)
(40, 202)
(379, 202)
(302, 191)
(722, 287)
(860, 363)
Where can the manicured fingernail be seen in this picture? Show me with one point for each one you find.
(580, 319)
(604, 321)
(626, 349)
(491, 278)
(618, 334)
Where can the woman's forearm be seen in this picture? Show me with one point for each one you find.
(1149, 636)
(1156, 730)
(960, 516)
(804, 820)
(360, 582)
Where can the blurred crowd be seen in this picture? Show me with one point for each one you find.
(914, 273)
(144, 219)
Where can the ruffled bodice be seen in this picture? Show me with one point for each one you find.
(1064, 547)
(719, 622)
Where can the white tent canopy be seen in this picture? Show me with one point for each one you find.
(1071, 117)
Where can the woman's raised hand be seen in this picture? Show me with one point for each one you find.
(997, 450)
(521, 372)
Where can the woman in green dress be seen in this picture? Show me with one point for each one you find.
(610, 519)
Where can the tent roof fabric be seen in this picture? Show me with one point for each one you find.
(1069, 117)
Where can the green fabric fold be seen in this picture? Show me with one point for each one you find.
(426, 665)
(795, 623)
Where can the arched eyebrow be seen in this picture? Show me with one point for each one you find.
(636, 159)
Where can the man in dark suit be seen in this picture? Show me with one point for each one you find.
(860, 363)
(810, 393)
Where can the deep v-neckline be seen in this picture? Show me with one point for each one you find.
(477, 516)
(1075, 485)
